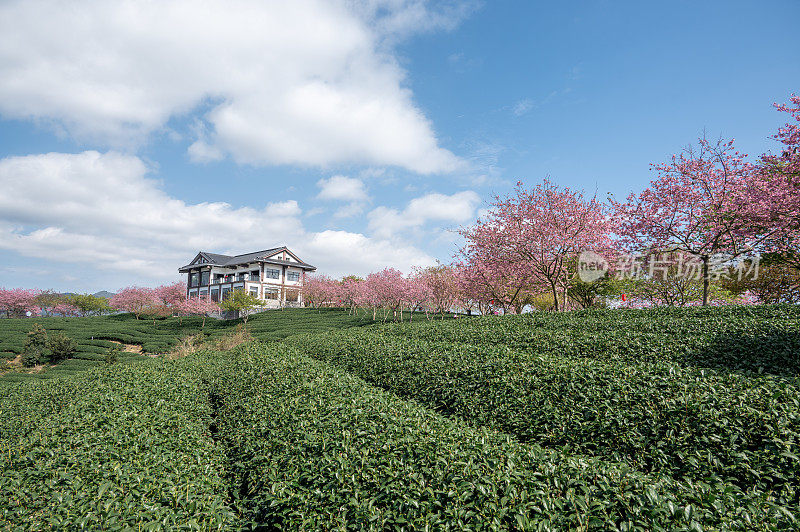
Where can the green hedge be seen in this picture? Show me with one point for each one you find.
(709, 427)
(94, 334)
(311, 447)
(756, 339)
(124, 447)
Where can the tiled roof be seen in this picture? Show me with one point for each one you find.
(215, 259)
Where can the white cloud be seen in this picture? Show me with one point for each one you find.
(456, 208)
(523, 106)
(360, 254)
(342, 188)
(306, 82)
(349, 211)
(101, 212)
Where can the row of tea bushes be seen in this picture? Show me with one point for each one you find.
(311, 447)
(96, 334)
(757, 339)
(712, 428)
(126, 447)
(158, 336)
(264, 438)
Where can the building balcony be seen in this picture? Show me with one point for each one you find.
(236, 279)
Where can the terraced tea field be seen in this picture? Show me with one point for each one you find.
(96, 334)
(602, 420)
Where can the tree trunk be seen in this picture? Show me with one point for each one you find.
(555, 295)
(705, 280)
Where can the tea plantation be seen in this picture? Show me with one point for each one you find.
(600, 420)
(95, 335)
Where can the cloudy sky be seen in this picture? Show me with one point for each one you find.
(359, 133)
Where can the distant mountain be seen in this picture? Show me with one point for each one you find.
(104, 293)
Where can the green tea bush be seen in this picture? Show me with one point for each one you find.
(757, 339)
(124, 448)
(684, 422)
(95, 334)
(312, 448)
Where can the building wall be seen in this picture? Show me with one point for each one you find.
(282, 283)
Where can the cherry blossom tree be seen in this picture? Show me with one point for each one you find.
(495, 284)
(66, 309)
(195, 306)
(418, 293)
(441, 288)
(531, 236)
(136, 300)
(698, 205)
(372, 293)
(777, 192)
(18, 302)
(351, 290)
(171, 294)
(320, 289)
(396, 291)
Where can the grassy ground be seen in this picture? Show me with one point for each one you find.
(96, 334)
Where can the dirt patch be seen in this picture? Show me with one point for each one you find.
(15, 365)
(129, 348)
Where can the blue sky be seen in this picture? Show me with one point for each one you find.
(358, 133)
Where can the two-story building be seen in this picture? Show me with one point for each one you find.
(275, 276)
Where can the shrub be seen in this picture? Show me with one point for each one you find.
(61, 347)
(112, 354)
(30, 358)
(34, 350)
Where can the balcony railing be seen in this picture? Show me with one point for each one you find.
(233, 279)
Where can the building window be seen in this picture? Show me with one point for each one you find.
(254, 291)
(271, 273)
(240, 276)
(203, 293)
(193, 279)
(215, 295)
(292, 296)
(270, 293)
(192, 293)
(292, 276)
(254, 275)
(204, 278)
(224, 294)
